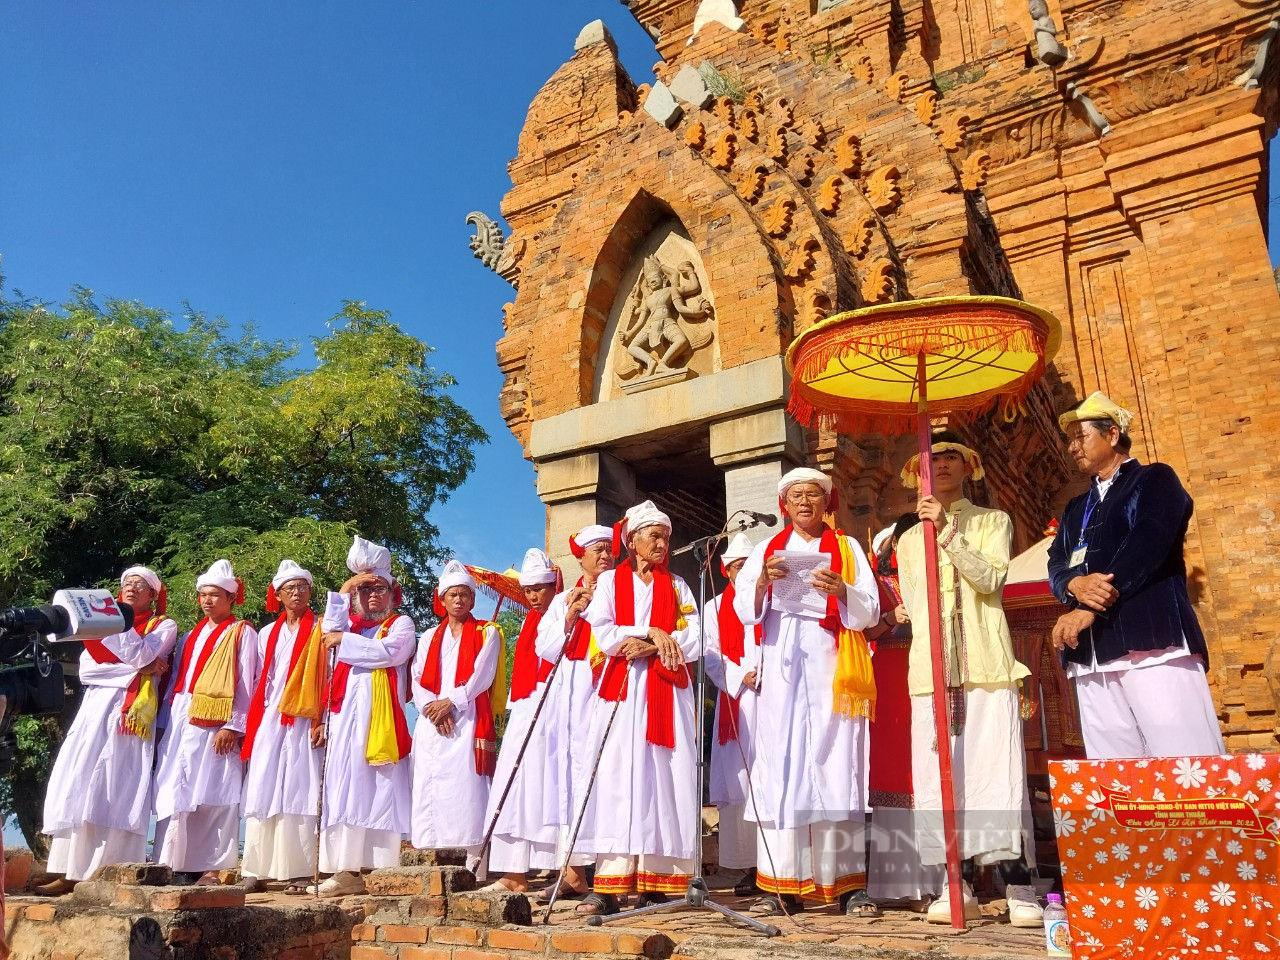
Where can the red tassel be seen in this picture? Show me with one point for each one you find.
(437, 607)
(559, 581)
(577, 551)
(273, 602)
(162, 601)
(239, 592)
(397, 595)
(617, 539)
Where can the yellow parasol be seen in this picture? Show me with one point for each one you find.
(884, 369)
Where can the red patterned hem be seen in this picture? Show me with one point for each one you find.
(662, 882)
(823, 893)
(885, 798)
(616, 885)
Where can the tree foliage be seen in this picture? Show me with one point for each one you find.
(128, 437)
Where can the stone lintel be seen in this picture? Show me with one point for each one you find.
(733, 392)
(759, 435)
(754, 486)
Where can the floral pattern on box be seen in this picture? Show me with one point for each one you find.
(1171, 857)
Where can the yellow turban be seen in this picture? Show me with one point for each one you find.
(911, 472)
(1098, 406)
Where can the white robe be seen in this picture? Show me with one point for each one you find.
(523, 839)
(728, 788)
(449, 796)
(809, 768)
(282, 781)
(366, 808)
(98, 801)
(566, 717)
(644, 801)
(195, 786)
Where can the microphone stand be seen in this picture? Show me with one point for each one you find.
(696, 895)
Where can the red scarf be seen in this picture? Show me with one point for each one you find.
(733, 647)
(486, 751)
(828, 545)
(258, 706)
(662, 682)
(209, 646)
(336, 691)
(579, 642)
(143, 623)
(527, 670)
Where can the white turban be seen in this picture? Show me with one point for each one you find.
(536, 569)
(455, 574)
(804, 475)
(366, 557)
(881, 538)
(592, 534)
(219, 575)
(287, 571)
(149, 576)
(643, 515)
(739, 548)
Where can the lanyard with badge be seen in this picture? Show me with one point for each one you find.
(1082, 545)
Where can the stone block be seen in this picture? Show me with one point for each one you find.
(724, 12)
(412, 857)
(428, 908)
(457, 936)
(503, 939)
(478, 955)
(394, 933)
(363, 931)
(593, 33)
(662, 106)
(369, 952)
(416, 881)
(690, 86)
(652, 945)
(137, 874)
(158, 899)
(582, 941)
(424, 953)
(40, 912)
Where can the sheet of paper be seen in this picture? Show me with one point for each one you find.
(795, 593)
(337, 613)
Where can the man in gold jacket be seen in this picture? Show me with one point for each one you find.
(982, 677)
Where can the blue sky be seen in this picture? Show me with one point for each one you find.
(266, 161)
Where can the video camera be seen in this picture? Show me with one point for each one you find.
(30, 678)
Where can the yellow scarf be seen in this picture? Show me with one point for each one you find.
(213, 693)
(304, 689)
(139, 716)
(854, 686)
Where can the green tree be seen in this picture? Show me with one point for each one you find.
(125, 437)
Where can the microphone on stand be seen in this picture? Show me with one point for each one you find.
(753, 519)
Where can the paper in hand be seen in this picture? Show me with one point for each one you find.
(337, 613)
(795, 593)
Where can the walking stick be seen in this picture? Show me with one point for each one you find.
(324, 765)
(582, 812)
(497, 812)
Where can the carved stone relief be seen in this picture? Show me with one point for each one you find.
(662, 325)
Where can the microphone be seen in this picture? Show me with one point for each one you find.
(767, 519)
(85, 615)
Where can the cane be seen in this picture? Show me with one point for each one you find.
(582, 812)
(324, 765)
(533, 723)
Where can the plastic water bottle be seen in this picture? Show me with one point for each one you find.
(1057, 934)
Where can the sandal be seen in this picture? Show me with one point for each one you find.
(772, 905)
(566, 893)
(859, 904)
(653, 899)
(598, 905)
(746, 887)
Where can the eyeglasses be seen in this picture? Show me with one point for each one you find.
(803, 497)
(134, 584)
(378, 591)
(297, 586)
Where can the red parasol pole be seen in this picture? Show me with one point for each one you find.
(940, 720)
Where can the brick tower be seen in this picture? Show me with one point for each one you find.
(1104, 159)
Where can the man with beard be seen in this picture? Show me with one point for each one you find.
(523, 839)
(571, 700)
(283, 775)
(817, 687)
(367, 774)
(642, 816)
(200, 773)
(99, 796)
